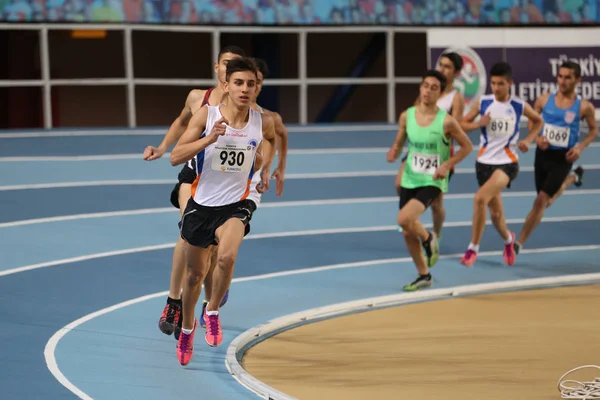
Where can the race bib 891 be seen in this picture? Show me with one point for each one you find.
(502, 127)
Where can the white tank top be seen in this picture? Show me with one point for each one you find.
(225, 168)
(445, 103)
(498, 140)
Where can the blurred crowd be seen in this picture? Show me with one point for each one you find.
(270, 12)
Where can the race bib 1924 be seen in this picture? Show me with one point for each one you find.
(425, 163)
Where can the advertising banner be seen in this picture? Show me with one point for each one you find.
(534, 70)
(473, 80)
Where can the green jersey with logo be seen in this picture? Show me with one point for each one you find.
(428, 148)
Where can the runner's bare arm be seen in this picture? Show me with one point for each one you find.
(258, 160)
(177, 127)
(540, 103)
(268, 152)
(588, 112)
(468, 123)
(394, 151)
(268, 143)
(455, 131)
(458, 106)
(190, 142)
(538, 106)
(534, 122)
(281, 140)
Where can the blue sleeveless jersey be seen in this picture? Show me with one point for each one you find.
(561, 126)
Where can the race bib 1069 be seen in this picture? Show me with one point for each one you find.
(425, 163)
(557, 136)
(232, 158)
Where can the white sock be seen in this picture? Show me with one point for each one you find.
(510, 239)
(212, 313)
(474, 247)
(187, 331)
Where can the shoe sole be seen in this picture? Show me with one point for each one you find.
(210, 344)
(165, 327)
(466, 264)
(508, 261)
(184, 364)
(417, 289)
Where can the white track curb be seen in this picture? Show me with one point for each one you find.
(257, 334)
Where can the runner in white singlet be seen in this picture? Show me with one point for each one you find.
(497, 162)
(224, 139)
(170, 318)
(255, 196)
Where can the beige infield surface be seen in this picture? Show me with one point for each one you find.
(508, 346)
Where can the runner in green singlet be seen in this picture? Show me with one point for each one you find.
(429, 130)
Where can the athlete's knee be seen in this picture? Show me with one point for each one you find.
(226, 260)
(195, 276)
(406, 222)
(481, 199)
(541, 201)
(403, 220)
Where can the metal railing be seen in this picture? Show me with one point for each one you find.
(130, 81)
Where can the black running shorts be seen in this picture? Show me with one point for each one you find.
(485, 172)
(200, 223)
(551, 168)
(425, 194)
(186, 175)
